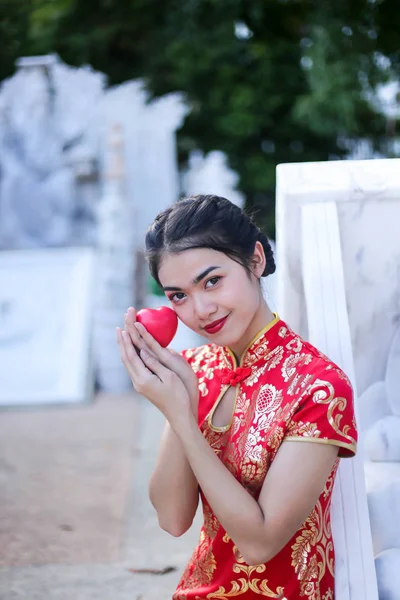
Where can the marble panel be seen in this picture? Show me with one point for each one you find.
(372, 405)
(382, 440)
(367, 195)
(329, 330)
(361, 271)
(45, 326)
(384, 501)
(392, 377)
(387, 566)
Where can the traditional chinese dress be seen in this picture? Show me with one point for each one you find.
(285, 390)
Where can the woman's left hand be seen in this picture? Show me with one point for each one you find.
(151, 379)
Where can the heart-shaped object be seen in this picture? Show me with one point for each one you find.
(161, 323)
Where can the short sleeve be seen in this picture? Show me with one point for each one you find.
(326, 414)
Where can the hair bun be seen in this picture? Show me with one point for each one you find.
(270, 265)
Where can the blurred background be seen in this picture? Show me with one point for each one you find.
(109, 112)
(263, 82)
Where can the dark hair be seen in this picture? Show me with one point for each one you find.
(206, 221)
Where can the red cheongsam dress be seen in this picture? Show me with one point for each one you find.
(285, 390)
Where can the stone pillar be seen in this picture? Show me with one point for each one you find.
(115, 272)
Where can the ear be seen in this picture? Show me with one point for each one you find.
(258, 260)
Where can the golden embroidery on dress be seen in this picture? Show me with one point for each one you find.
(216, 439)
(292, 363)
(272, 360)
(299, 382)
(336, 408)
(275, 438)
(269, 399)
(253, 453)
(243, 584)
(295, 345)
(312, 551)
(331, 480)
(202, 564)
(241, 410)
(207, 372)
(303, 429)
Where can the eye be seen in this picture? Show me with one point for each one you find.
(176, 297)
(213, 281)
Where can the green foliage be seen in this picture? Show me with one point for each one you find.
(267, 81)
(14, 27)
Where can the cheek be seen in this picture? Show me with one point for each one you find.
(184, 313)
(246, 299)
(239, 289)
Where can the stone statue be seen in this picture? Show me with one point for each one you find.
(43, 142)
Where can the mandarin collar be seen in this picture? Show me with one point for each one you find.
(263, 342)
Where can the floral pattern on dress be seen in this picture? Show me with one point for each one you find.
(293, 393)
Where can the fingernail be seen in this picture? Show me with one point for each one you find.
(144, 353)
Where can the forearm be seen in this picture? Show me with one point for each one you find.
(237, 511)
(173, 487)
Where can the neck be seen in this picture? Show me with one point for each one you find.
(262, 317)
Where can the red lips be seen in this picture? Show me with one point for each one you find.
(216, 326)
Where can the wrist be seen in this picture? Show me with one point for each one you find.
(183, 419)
(194, 402)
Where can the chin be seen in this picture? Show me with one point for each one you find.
(226, 340)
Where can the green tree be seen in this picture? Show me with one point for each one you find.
(14, 33)
(268, 81)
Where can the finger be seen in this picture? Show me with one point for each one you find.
(125, 346)
(154, 365)
(138, 341)
(141, 375)
(131, 315)
(122, 351)
(174, 352)
(152, 343)
(130, 350)
(131, 360)
(168, 358)
(129, 321)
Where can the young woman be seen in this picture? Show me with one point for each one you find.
(236, 410)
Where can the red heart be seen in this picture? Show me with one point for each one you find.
(161, 323)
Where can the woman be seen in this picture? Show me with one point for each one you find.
(235, 411)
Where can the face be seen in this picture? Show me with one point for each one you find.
(214, 295)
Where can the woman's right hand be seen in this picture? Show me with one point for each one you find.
(142, 339)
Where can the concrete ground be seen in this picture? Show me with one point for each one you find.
(75, 519)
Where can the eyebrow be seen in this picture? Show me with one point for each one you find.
(195, 281)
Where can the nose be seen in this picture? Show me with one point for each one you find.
(203, 307)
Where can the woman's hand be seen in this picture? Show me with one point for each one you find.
(170, 359)
(164, 388)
